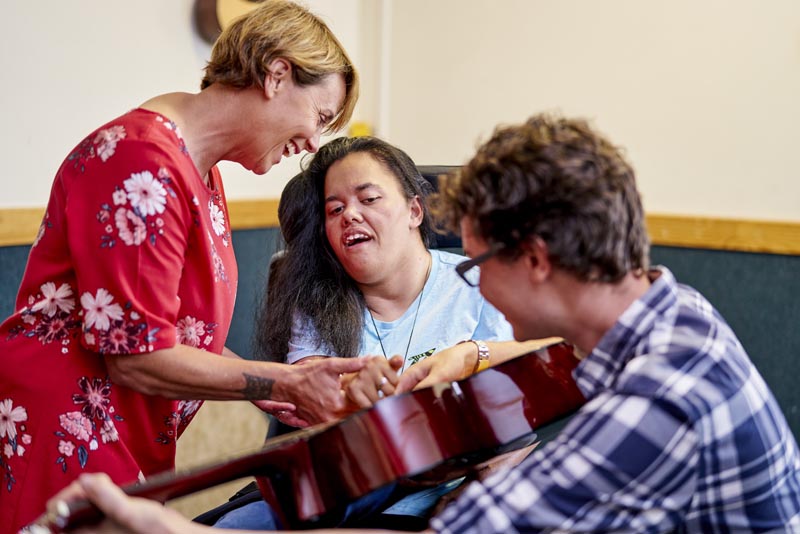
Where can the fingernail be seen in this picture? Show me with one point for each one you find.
(62, 509)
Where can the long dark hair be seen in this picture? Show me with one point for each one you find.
(306, 279)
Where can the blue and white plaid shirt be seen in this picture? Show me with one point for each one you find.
(680, 434)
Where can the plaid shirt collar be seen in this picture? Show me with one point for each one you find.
(600, 369)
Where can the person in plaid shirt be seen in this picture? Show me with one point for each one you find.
(679, 432)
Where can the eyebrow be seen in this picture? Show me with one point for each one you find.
(359, 188)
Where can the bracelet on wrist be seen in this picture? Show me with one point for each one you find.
(483, 354)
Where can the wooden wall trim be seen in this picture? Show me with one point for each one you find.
(250, 214)
(725, 234)
(18, 226)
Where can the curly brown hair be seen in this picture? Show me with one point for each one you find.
(557, 179)
(282, 29)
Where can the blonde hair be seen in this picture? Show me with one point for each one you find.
(282, 29)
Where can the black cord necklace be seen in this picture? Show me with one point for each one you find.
(413, 323)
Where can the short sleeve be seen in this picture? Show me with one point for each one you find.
(304, 341)
(492, 325)
(126, 220)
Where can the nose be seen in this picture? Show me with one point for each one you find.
(312, 145)
(351, 214)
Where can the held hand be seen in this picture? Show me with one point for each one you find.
(450, 364)
(376, 380)
(124, 514)
(313, 386)
(285, 412)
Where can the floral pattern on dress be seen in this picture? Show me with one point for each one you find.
(104, 144)
(81, 428)
(50, 316)
(219, 265)
(106, 141)
(114, 329)
(171, 126)
(195, 209)
(13, 438)
(178, 420)
(134, 214)
(217, 215)
(43, 379)
(42, 228)
(194, 332)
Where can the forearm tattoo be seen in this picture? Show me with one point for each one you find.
(257, 387)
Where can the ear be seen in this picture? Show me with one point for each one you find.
(417, 213)
(279, 71)
(537, 259)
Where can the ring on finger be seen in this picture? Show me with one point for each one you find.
(383, 381)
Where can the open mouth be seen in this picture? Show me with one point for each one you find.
(290, 149)
(354, 239)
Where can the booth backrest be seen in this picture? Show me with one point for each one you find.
(431, 173)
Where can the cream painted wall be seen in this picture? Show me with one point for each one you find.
(69, 67)
(705, 95)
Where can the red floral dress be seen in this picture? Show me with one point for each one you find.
(134, 255)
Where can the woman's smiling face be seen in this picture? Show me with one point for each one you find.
(293, 119)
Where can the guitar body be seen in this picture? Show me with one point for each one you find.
(311, 475)
(435, 432)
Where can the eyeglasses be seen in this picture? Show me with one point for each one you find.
(466, 269)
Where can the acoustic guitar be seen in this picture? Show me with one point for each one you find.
(311, 475)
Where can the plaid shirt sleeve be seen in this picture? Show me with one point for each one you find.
(680, 433)
(623, 464)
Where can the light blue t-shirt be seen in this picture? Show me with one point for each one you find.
(450, 311)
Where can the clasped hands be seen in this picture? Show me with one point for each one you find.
(376, 380)
(325, 390)
(380, 377)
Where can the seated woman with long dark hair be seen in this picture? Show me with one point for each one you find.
(357, 278)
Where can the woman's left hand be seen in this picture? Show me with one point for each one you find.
(376, 380)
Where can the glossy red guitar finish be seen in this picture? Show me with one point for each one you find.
(442, 429)
(310, 475)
